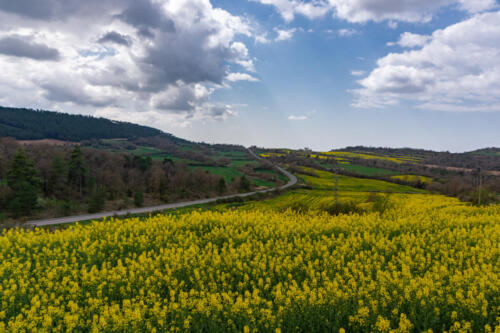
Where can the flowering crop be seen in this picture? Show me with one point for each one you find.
(420, 267)
(413, 178)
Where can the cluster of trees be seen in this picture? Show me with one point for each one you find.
(27, 124)
(73, 179)
(466, 188)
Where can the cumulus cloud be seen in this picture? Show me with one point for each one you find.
(262, 39)
(17, 46)
(115, 37)
(233, 77)
(454, 69)
(181, 97)
(368, 10)
(288, 9)
(183, 50)
(64, 92)
(357, 73)
(247, 64)
(284, 34)
(411, 40)
(347, 32)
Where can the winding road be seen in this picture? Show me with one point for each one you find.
(71, 219)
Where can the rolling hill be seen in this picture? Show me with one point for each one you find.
(28, 124)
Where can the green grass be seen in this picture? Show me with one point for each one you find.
(113, 141)
(144, 150)
(162, 156)
(487, 153)
(233, 154)
(367, 171)
(185, 147)
(238, 163)
(264, 183)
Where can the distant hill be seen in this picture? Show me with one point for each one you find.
(488, 151)
(27, 124)
(486, 158)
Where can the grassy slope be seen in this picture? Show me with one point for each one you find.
(227, 172)
(367, 171)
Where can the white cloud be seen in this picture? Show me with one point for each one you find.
(347, 32)
(360, 11)
(411, 40)
(284, 34)
(233, 77)
(456, 69)
(357, 73)
(289, 8)
(392, 24)
(247, 65)
(165, 57)
(401, 10)
(292, 117)
(262, 39)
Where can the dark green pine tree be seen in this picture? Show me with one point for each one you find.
(77, 170)
(58, 178)
(221, 186)
(244, 184)
(22, 178)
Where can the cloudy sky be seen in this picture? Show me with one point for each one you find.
(289, 73)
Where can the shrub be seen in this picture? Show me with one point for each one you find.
(381, 203)
(138, 199)
(97, 200)
(346, 207)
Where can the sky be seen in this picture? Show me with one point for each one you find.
(321, 74)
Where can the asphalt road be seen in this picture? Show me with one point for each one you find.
(71, 219)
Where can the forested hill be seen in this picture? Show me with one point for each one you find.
(27, 124)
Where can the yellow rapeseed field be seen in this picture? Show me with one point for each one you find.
(419, 267)
(413, 178)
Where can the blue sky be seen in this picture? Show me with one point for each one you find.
(275, 73)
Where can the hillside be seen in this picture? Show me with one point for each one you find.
(486, 158)
(27, 124)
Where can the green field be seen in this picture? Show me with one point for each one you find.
(239, 163)
(144, 150)
(367, 171)
(263, 183)
(321, 194)
(234, 154)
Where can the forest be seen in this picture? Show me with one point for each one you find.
(28, 124)
(49, 180)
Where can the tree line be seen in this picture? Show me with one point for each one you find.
(28, 124)
(53, 181)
